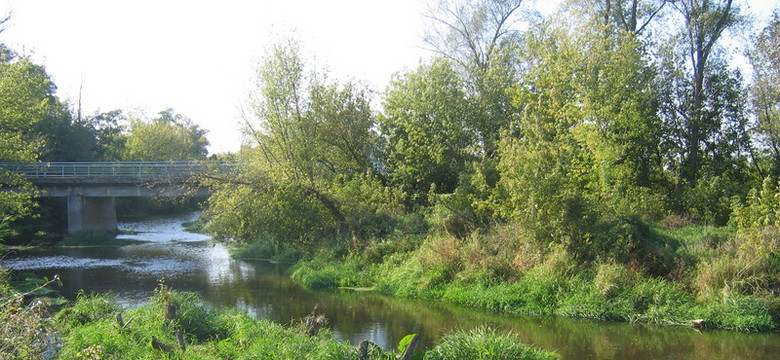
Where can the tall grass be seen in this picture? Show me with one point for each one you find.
(485, 344)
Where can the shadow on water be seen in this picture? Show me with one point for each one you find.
(193, 262)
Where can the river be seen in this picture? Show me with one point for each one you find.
(194, 262)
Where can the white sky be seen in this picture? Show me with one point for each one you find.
(199, 57)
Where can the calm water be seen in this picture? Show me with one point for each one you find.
(194, 262)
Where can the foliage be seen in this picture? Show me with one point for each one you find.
(748, 263)
(208, 333)
(267, 249)
(87, 308)
(168, 137)
(25, 327)
(26, 99)
(426, 124)
(765, 94)
(280, 213)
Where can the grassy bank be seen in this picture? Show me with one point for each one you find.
(91, 329)
(687, 273)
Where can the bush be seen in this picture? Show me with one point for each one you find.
(24, 329)
(630, 241)
(744, 265)
(485, 344)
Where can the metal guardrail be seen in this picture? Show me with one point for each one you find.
(116, 170)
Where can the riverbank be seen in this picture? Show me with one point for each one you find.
(178, 325)
(480, 271)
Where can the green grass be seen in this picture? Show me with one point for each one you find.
(89, 330)
(485, 344)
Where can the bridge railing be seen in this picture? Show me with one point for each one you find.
(120, 169)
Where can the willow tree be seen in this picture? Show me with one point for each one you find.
(311, 150)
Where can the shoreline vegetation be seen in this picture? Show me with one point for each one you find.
(179, 325)
(461, 271)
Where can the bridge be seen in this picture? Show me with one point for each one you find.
(92, 187)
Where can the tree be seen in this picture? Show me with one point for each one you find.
(3, 21)
(308, 128)
(480, 38)
(765, 92)
(632, 16)
(282, 131)
(26, 99)
(109, 128)
(168, 137)
(721, 128)
(344, 127)
(704, 23)
(427, 129)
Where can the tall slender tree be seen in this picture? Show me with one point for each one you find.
(704, 22)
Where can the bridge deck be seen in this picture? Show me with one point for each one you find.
(118, 171)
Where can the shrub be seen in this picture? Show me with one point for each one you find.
(267, 249)
(324, 272)
(630, 241)
(24, 329)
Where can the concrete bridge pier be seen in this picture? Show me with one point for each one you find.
(86, 212)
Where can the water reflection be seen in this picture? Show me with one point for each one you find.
(193, 262)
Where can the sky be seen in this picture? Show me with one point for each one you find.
(199, 57)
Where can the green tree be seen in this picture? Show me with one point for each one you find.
(307, 128)
(109, 128)
(344, 127)
(481, 39)
(313, 155)
(765, 91)
(427, 129)
(704, 22)
(168, 137)
(26, 99)
(66, 138)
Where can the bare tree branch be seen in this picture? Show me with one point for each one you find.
(2, 22)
